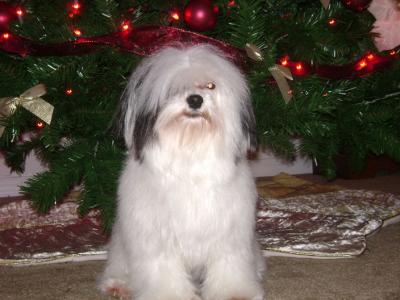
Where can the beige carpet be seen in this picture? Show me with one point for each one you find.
(374, 275)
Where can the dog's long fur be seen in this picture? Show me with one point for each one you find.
(186, 198)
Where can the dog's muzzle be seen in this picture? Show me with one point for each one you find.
(195, 101)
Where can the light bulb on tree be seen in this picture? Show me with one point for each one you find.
(74, 8)
(126, 26)
(285, 61)
(77, 32)
(361, 65)
(19, 12)
(68, 92)
(332, 22)
(175, 15)
(39, 125)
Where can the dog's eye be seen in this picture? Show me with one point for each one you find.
(210, 85)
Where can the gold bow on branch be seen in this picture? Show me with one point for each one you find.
(30, 100)
(280, 73)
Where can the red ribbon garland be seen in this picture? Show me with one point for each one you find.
(143, 41)
(364, 66)
(146, 40)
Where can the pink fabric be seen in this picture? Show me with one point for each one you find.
(387, 25)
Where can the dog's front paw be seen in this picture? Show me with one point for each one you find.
(176, 297)
(242, 294)
(115, 288)
(261, 297)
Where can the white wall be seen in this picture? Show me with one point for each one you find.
(269, 165)
(10, 182)
(265, 165)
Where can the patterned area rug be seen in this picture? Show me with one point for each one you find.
(28, 238)
(295, 217)
(300, 218)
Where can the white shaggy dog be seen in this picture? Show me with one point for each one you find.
(186, 200)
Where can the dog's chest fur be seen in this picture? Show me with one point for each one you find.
(192, 204)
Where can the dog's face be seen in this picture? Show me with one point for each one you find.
(187, 97)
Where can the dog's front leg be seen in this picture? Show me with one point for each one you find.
(162, 277)
(232, 276)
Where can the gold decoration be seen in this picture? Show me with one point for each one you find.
(254, 52)
(281, 74)
(325, 3)
(30, 100)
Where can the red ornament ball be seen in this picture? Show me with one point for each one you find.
(5, 15)
(199, 15)
(356, 5)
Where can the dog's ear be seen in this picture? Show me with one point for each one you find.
(118, 121)
(248, 121)
(143, 132)
(136, 128)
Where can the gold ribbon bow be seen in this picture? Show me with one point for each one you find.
(30, 100)
(280, 73)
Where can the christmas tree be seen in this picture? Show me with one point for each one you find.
(343, 57)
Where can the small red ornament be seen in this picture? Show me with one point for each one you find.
(68, 91)
(199, 15)
(356, 5)
(216, 9)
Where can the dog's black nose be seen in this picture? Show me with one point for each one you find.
(195, 101)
